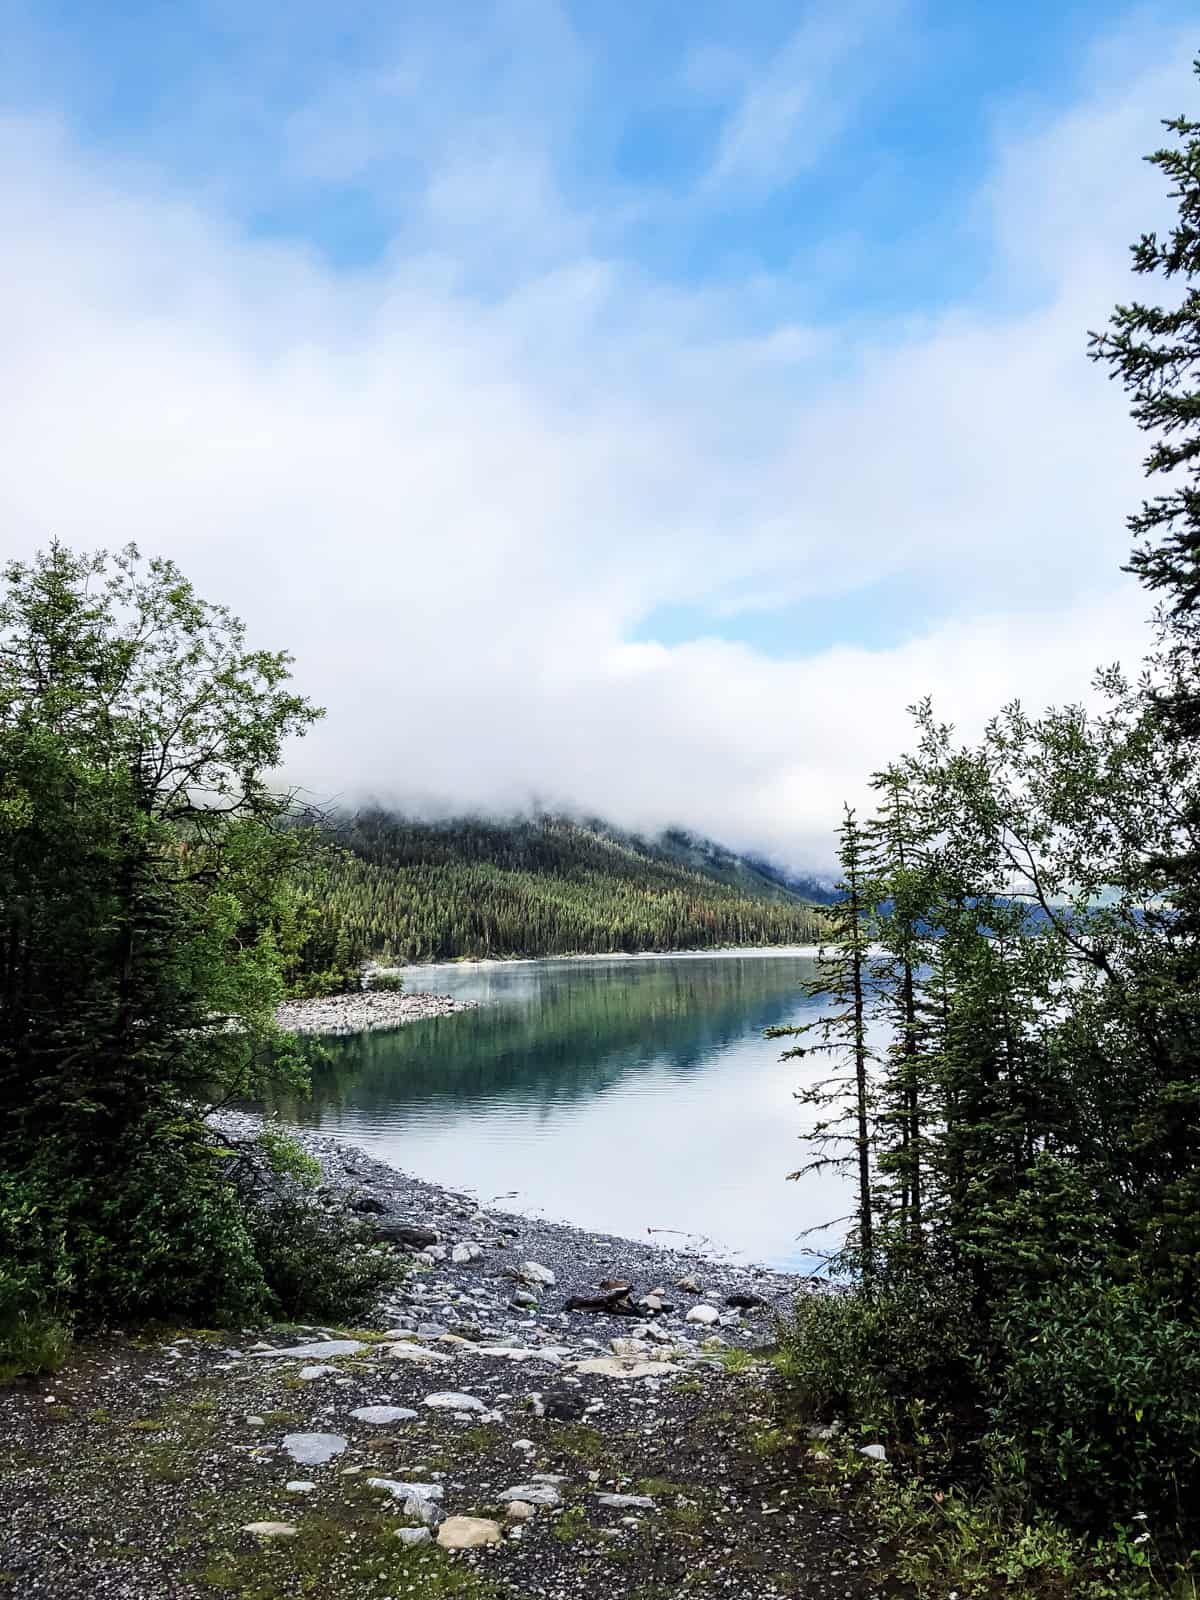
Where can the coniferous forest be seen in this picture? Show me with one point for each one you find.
(394, 889)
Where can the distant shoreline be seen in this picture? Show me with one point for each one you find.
(762, 951)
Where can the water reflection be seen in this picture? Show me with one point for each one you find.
(629, 1096)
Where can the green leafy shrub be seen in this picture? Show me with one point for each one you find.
(318, 1264)
(1098, 1399)
(287, 1158)
(164, 1234)
(891, 1364)
(386, 982)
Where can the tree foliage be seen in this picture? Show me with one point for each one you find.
(1034, 920)
(146, 925)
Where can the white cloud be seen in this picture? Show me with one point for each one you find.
(454, 510)
(789, 111)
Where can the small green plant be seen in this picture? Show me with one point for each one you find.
(386, 982)
(319, 1264)
(286, 1157)
(31, 1342)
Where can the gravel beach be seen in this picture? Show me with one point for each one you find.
(535, 1411)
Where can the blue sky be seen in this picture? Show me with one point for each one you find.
(639, 390)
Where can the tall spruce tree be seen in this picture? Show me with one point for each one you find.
(843, 1138)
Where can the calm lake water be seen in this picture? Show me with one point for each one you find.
(635, 1096)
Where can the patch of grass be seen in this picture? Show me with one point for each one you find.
(330, 1555)
(571, 1525)
(658, 1488)
(578, 1440)
(736, 1359)
(935, 1543)
(31, 1343)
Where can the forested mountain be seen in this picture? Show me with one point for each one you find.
(527, 886)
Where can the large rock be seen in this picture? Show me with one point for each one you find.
(468, 1533)
(407, 1350)
(316, 1350)
(613, 1367)
(704, 1315)
(381, 1416)
(626, 1502)
(412, 1234)
(421, 1501)
(534, 1272)
(452, 1400)
(313, 1449)
(534, 1494)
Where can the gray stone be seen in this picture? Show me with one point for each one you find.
(311, 1374)
(396, 1231)
(451, 1400)
(314, 1351)
(534, 1272)
(313, 1449)
(299, 1486)
(876, 1452)
(705, 1315)
(381, 1416)
(414, 1535)
(418, 1500)
(626, 1502)
(534, 1494)
(271, 1530)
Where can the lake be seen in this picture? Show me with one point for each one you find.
(631, 1095)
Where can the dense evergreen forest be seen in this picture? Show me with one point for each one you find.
(397, 889)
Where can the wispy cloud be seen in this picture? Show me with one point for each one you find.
(793, 106)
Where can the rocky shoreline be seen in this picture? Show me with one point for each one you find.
(365, 1009)
(535, 1411)
(441, 1227)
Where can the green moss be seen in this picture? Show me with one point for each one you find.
(576, 1439)
(571, 1525)
(331, 1555)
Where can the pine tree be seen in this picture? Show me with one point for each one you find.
(844, 981)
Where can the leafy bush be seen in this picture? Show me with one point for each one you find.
(386, 982)
(1098, 1403)
(892, 1364)
(319, 1264)
(30, 1342)
(287, 1158)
